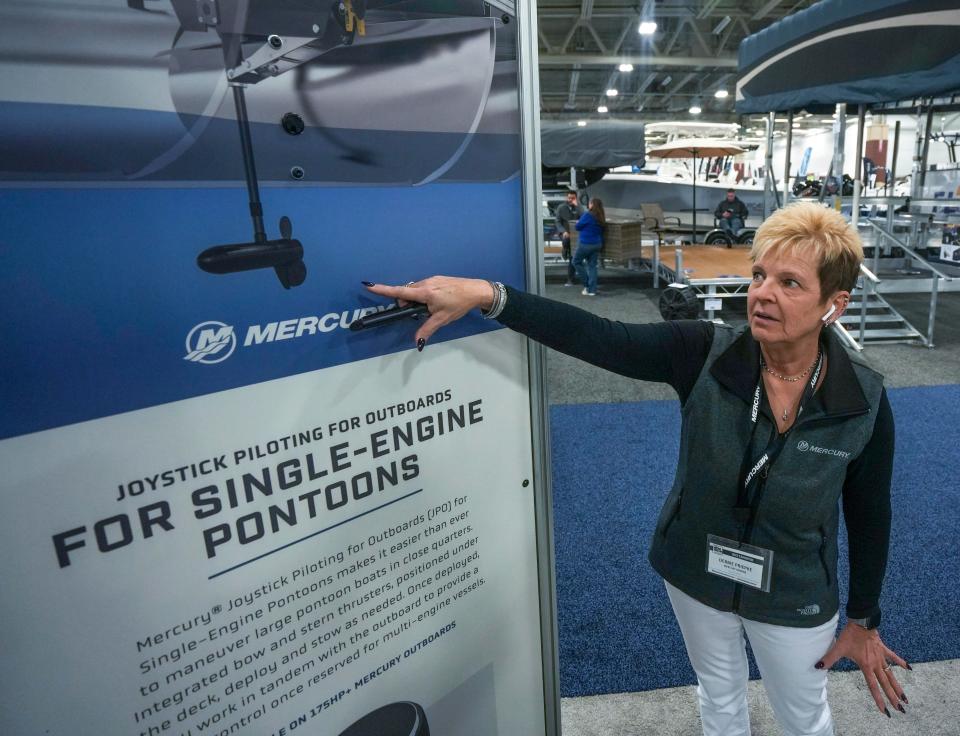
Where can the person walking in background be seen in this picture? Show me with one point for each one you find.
(731, 213)
(567, 214)
(590, 226)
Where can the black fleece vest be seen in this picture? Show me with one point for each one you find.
(797, 513)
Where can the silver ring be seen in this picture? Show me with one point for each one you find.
(888, 667)
(411, 283)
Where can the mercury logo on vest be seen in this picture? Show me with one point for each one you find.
(804, 446)
(213, 342)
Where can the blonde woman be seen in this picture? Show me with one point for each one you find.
(780, 427)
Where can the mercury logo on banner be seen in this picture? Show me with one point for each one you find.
(210, 342)
(213, 342)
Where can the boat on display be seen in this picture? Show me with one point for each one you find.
(669, 183)
(671, 187)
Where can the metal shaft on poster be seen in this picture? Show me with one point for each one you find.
(858, 166)
(786, 161)
(249, 169)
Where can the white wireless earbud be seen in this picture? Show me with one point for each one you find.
(824, 318)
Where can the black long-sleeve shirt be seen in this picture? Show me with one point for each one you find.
(736, 207)
(675, 352)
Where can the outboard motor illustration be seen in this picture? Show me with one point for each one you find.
(358, 92)
(237, 24)
(396, 719)
(316, 92)
(285, 256)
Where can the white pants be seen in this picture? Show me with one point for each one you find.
(786, 656)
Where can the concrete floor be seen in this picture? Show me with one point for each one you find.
(933, 688)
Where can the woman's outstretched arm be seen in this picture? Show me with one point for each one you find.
(669, 352)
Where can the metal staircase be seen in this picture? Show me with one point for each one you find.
(881, 322)
(869, 317)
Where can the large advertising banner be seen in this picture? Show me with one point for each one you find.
(226, 512)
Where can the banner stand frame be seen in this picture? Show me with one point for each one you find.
(529, 90)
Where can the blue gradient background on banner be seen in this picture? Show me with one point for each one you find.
(101, 286)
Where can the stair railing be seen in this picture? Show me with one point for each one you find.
(937, 274)
(869, 280)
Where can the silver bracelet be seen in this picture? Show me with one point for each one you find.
(499, 301)
(494, 304)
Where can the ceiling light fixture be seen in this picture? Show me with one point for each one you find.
(602, 108)
(625, 67)
(612, 92)
(647, 28)
(721, 94)
(695, 109)
(582, 123)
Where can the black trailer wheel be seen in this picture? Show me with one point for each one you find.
(679, 302)
(746, 236)
(717, 237)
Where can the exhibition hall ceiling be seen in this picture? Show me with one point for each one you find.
(587, 49)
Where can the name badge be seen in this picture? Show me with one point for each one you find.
(742, 563)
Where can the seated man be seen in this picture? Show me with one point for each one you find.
(731, 213)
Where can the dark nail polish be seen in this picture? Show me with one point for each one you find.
(909, 667)
(420, 343)
(901, 708)
(819, 665)
(367, 283)
(903, 697)
(887, 711)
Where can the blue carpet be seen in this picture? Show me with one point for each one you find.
(612, 467)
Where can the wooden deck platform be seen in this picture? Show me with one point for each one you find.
(707, 261)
